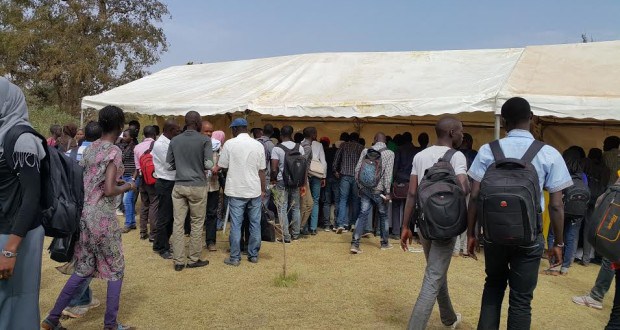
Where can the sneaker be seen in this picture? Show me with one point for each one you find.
(340, 230)
(94, 303)
(121, 327)
(144, 236)
(199, 263)
(211, 248)
(459, 319)
(75, 312)
(355, 249)
(288, 241)
(313, 232)
(253, 260)
(588, 302)
(326, 229)
(126, 230)
(119, 213)
(386, 246)
(166, 255)
(231, 262)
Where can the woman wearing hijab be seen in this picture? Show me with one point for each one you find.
(99, 250)
(21, 233)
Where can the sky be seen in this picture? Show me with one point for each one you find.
(206, 31)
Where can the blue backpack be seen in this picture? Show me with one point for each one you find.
(369, 174)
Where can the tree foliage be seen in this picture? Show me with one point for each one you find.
(64, 50)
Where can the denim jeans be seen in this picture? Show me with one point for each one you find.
(603, 281)
(368, 200)
(288, 198)
(128, 203)
(348, 191)
(315, 190)
(83, 296)
(614, 318)
(331, 195)
(571, 237)
(517, 267)
(238, 207)
(438, 255)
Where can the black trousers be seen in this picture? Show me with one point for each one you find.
(213, 198)
(165, 218)
(517, 267)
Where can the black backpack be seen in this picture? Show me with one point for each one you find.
(576, 198)
(62, 186)
(442, 201)
(604, 230)
(295, 167)
(509, 203)
(369, 174)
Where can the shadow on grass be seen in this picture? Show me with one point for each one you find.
(282, 281)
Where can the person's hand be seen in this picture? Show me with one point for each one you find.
(7, 265)
(405, 238)
(215, 169)
(555, 256)
(302, 191)
(388, 197)
(263, 195)
(472, 244)
(323, 183)
(120, 182)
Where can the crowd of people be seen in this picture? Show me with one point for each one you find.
(188, 176)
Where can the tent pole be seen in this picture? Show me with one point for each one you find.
(81, 117)
(497, 126)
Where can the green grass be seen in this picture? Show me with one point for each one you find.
(282, 281)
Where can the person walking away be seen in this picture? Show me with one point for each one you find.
(438, 253)
(287, 198)
(598, 178)
(21, 233)
(83, 300)
(99, 250)
(148, 211)
(331, 191)
(307, 201)
(190, 154)
(403, 160)
(213, 190)
(515, 262)
(374, 176)
(345, 162)
(244, 158)
(316, 174)
(460, 248)
(163, 187)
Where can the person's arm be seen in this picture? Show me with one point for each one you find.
(275, 163)
(410, 203)
(208, 155)
(30, 183)
(263, 188)
(472, 213)
(336, 166)
(556, 213)
(388, 171)
(110, 186)
(170, 158)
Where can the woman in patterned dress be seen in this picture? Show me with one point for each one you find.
(99, 251)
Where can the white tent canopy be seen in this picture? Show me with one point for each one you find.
(565, 81)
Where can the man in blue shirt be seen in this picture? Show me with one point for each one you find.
(517, 266)
(92, 133)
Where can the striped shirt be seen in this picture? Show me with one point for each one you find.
(346, 158)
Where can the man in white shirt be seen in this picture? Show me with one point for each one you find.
(244, 158)
(163, 187)
(287, 199)
(438, 253)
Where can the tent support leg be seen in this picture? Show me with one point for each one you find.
(81, 117)
(497, 126)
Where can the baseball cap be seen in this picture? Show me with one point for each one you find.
(239, 122)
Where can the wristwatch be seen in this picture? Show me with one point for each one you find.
(9, 254)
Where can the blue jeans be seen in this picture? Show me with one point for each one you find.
(348, 189)
(603, 281)
(315, 190)
(83, 296)
(571, 237)
(128, 203)
(284, 199)
(368, 199)
(331, 194)
(238, 206)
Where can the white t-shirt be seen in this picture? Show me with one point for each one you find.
(243, 157)
(279, 154)
(426, 158)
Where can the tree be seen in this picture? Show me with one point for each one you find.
(64, 50)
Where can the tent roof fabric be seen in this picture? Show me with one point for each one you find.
(575, 80)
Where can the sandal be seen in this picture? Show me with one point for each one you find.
(550, 272)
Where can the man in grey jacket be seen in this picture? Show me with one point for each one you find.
(190, 154)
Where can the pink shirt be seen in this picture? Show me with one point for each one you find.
(140, 149)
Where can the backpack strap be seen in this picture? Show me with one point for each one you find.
(447, 157)
(148, 151)
(283, 147)
(532, 151)
(496, 149)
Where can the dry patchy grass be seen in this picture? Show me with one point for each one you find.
(334, 290)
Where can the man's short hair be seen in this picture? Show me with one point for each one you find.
(407, 137)
(309, 132)
(268, 130)
(134, 123)
(286, 131)
(611, 142)
(92, 131)
(354, 136)
(149, 132)
(344, 136)
(516, 111)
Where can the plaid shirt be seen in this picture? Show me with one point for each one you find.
(612, 160)
(387, 167)
(346, 158)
